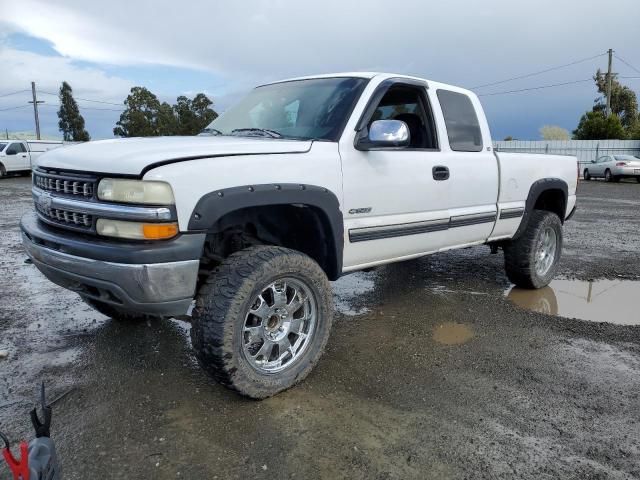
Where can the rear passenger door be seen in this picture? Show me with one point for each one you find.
(24, 157)
(473, 168)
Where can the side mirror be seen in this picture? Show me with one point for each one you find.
(595, 160)
(384, 133)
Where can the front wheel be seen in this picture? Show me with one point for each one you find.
(262, 320)
(531, 261)
(587, 175)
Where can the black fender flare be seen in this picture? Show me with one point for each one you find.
(538, 188)
(214, 205)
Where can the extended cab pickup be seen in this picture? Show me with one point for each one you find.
(301, 182)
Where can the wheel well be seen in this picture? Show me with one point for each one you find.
(299, 227)
(552, 200)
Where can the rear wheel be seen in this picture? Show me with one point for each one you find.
(262, 320)
(531, 261)
(607, 175)
(3, 171)
(587, 175)
(116, 313)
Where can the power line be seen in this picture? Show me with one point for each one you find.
(13, 93)
(536, 88)
(84, 99)
(539, 72)
(14, 108)
(88, 108)
(626, 63)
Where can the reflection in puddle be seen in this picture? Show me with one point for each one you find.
(451, 333)
(613, 301)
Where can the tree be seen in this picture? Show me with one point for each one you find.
(140, 118)
(553, 132)
(145, 116)
(508, 138)
(624, 102)
(193, 115)
(596, 126)
(633, 132)
(71, 122)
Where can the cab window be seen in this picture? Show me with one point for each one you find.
(463, 127)
(409, 105)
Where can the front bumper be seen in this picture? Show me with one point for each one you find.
(90, 267)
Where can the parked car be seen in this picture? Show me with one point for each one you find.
(301, 182)
(613, 168)
(18, 155)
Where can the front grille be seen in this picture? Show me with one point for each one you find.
(64, 184)
(65, 217)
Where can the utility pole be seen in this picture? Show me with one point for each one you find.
(609, 79)
(35, 108)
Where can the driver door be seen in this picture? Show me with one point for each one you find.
(394, 206)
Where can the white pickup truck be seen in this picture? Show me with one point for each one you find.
(19, 155)
(301, 182)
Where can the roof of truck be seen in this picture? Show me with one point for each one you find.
(370, 75)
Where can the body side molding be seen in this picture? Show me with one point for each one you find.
(415, 228)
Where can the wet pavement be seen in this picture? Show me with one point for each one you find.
(431, 372)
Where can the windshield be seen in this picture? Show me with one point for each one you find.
(2, 145)
(302, 109)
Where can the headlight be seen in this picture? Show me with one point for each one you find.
(136, 230)
(135, 191)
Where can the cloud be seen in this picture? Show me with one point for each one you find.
(463, 42)
(20, 67)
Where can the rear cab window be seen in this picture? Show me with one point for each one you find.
(461, 121)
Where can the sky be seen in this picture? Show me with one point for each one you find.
(225, 48)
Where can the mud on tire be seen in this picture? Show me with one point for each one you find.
(522, 256)
(226, 301)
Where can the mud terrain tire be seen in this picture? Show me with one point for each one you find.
(525, 260)
(223, 311)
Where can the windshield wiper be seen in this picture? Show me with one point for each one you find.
(258, 132)
(210, 131)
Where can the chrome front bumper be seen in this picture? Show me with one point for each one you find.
(165, 288)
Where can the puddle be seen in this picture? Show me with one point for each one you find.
(613, 301)
(348, 291)
(451, 333)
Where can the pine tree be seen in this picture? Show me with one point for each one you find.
(71, 122)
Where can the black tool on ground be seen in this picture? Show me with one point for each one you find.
(38, 459)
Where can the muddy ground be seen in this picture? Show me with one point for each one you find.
(430, 373)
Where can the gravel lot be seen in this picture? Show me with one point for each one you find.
(430, 373)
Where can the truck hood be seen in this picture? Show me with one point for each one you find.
(133, 155)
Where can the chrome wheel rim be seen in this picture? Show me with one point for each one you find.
(279, 326)
(546, 253)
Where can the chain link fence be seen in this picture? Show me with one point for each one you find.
(585, 150)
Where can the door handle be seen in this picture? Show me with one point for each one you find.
(440, 173)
